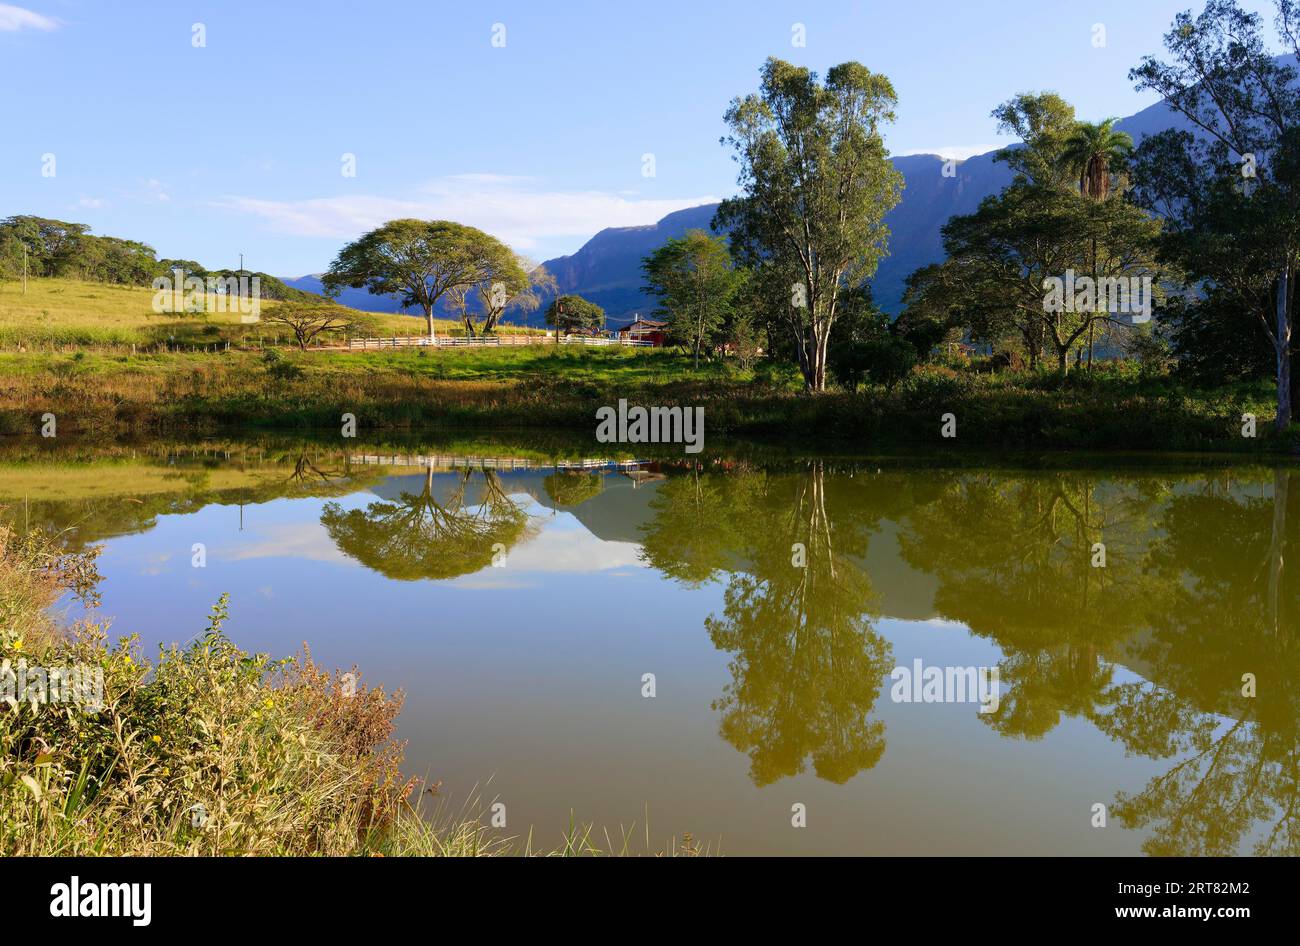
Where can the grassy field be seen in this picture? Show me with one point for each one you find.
(545, 388)
(66, 314)
(74, 359)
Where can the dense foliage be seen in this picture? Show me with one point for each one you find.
(58, 249)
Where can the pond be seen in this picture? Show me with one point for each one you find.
(779, 651)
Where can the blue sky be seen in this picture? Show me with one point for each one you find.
(237, 145)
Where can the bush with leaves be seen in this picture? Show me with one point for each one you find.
(280, 369)
(205, 750)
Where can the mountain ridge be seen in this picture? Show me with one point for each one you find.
(607, 268)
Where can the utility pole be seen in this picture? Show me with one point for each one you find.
(241, 262)
(24, 269)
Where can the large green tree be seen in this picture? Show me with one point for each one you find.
(695, 282)
(1245, 107)
(1062, 214)
(573, 313)
(1041, 122)
(422, 260)
(816, 184)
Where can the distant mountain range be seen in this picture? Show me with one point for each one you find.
(607, 269)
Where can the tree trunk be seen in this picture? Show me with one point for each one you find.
(819, 339)
(428, 317)
(802, 336)
(1063, 360)
(1283, 346)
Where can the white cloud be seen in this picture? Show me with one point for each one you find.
(92, 203)
(304, 540)
(953, 152)
(508, 207)
(13, 19)
(155, 189)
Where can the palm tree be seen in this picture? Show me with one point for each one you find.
(1094, 150)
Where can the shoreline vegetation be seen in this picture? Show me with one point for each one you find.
(210, 750)
(1117, 406)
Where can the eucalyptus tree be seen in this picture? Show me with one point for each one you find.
(1244, 106)
(798, 620)
(695, 281)
(817, 183)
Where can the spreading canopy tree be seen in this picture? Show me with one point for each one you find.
(433, 533)
(422, 260)
(308, 320)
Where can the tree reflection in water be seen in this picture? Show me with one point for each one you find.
(424, 535)
(1197, 590)
(807, 664)
(1195, 593)
(1150, 649)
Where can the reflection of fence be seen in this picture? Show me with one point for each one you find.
(443, 462)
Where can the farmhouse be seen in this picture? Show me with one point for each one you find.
(645, 330)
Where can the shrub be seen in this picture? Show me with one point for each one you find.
(207, 750)
(1007, 360)
(279, 368)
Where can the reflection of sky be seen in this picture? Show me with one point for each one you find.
(531, 674)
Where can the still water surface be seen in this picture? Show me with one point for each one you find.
(520, 605)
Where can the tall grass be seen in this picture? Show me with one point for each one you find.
(546, 389)
(205, 749)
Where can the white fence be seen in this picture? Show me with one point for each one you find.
(601, 342)
(445, 341)
(487, 341)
